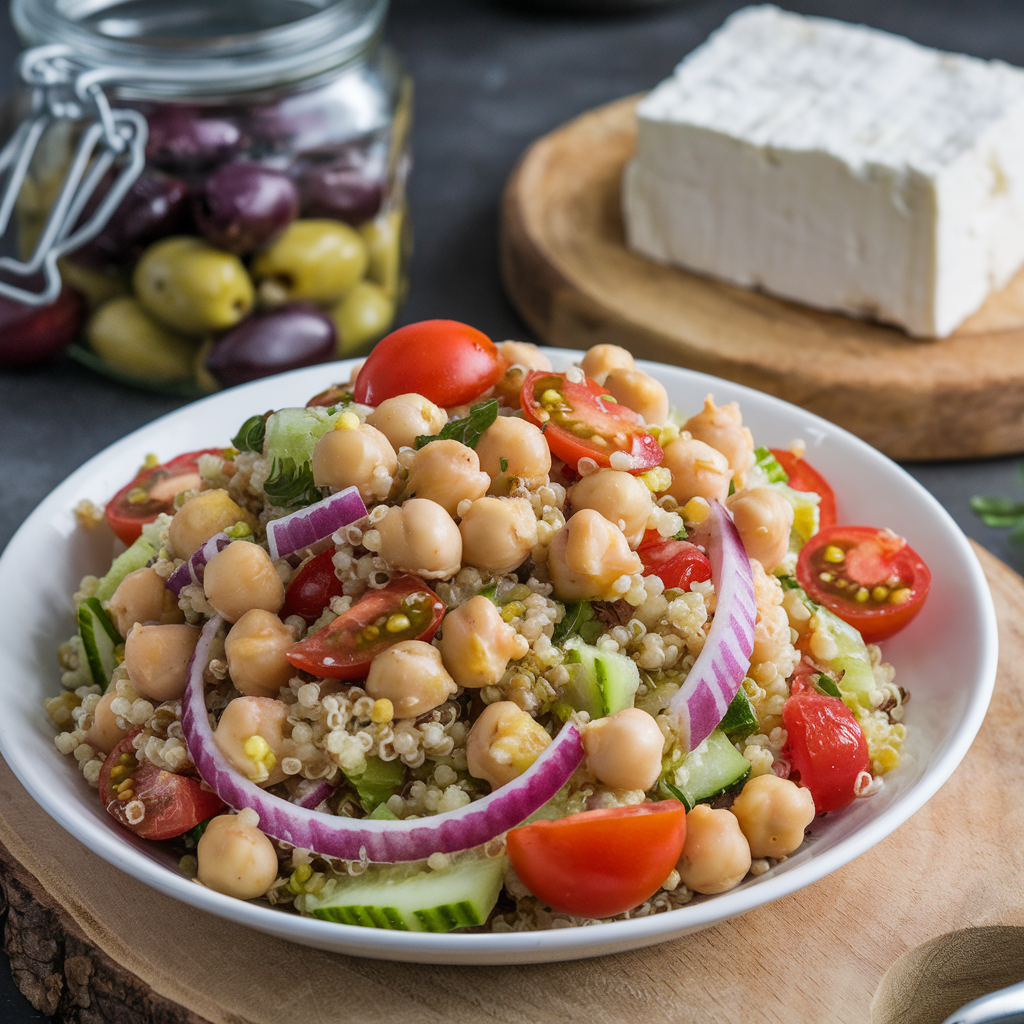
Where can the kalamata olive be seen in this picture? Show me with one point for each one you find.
(185, 140)
(280, 339)
(340, 191)
(240, 207)
(155, 206)
(29, 334)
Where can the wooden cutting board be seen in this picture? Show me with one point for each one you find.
(869, 943)
(567, 269)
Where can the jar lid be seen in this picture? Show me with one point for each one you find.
(176, 48)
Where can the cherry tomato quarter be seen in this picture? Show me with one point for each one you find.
(804, 477)
(172, 803)
(600, 863)
(152, 492)
(406, 609)
(581, 419)
(446, 361)
(825, 747)
(312, 588)
(677, 563)
(870, 578)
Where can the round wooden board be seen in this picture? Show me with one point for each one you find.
(871, 942)
(567, 269)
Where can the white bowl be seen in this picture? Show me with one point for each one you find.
(946, 658)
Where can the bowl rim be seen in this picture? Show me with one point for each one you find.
(549, 944)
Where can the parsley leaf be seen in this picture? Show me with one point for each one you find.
(466, 430)
(579, 620)
(827, 686)
(503, 462)
(250, 435)
(291, 486)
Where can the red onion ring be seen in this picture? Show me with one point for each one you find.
(194, 569)
(314, 523)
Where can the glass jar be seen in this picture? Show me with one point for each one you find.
(265, 226)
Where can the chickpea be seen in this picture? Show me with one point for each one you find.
(403, 418)
(520, 447)
(242, 577)
(771, 627)
(255, 649)
(142, 596)
(236, 858)
(587, 556)
(359, 457)
(200, 518)
(772, 814)
(420, 537)
(721, 426)
(764, 519)
(523, 353)
(503, 743)
(104, 734)
(447, 472)
(476, 643)
(600, 360)
(624, 750)
(411, 676)
(698, 471)
(498, 534)
(157, 659)
(250, 735)
(715, 856)
(620, 497)
(640, 392)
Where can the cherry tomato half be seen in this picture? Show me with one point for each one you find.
(870, 578)
(334, 395)
(152, 492)
(582, 420)
(678, 563)
(804, 477)
(311, 589)
(173, 803)
(825, 747)
(406, 609)
(600, 863)
(448, 362)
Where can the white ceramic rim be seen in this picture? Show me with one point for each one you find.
(552, 944)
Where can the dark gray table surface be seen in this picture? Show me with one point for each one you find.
(489, 79)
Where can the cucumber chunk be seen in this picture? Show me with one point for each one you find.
(708, 770)
(138, 556)
(600, 683)
(853, 660)
(99, 638)
(459, 896)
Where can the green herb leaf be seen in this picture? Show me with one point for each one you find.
(193, 835)
(770, 465)
(827, 686)
(788, 583)
(466, 430)
(677, 793)
(998, 512)
(682, 534)
(491, 593)
(579, 620)
(503, 462)
(250, 436)
(291, 486)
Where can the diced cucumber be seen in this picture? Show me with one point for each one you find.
(377, 781)
(739, 719)
(383, 813)
(853, 660)
(709, 769)
(99, 638)
(138, 556)
(600, 683)
(458, 896)
(293, 433)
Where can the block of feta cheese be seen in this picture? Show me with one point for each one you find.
(835, 165)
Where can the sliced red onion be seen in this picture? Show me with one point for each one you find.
(716, 676)
(314, 794)
(353, 838)
(194, 569)
(314, 523)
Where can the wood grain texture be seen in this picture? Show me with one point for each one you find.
(567, 269)
(90, 944)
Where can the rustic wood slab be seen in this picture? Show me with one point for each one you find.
(89, 944)
(567, 269)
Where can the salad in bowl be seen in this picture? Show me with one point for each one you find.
(467, 642)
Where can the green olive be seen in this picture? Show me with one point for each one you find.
(383, 238)
(361, 317)
(192, 287)
(97, 286)
(319, 260)
(126, 336)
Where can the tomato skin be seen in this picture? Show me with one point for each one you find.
(340, 650)
(174, 803)
(311, 589)
(607, 419)
(334, 395)
(127, 519)
(600, 863)
(804, 477)
(446, 361)
(678, 563)
(825, 747)
(874, 620)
